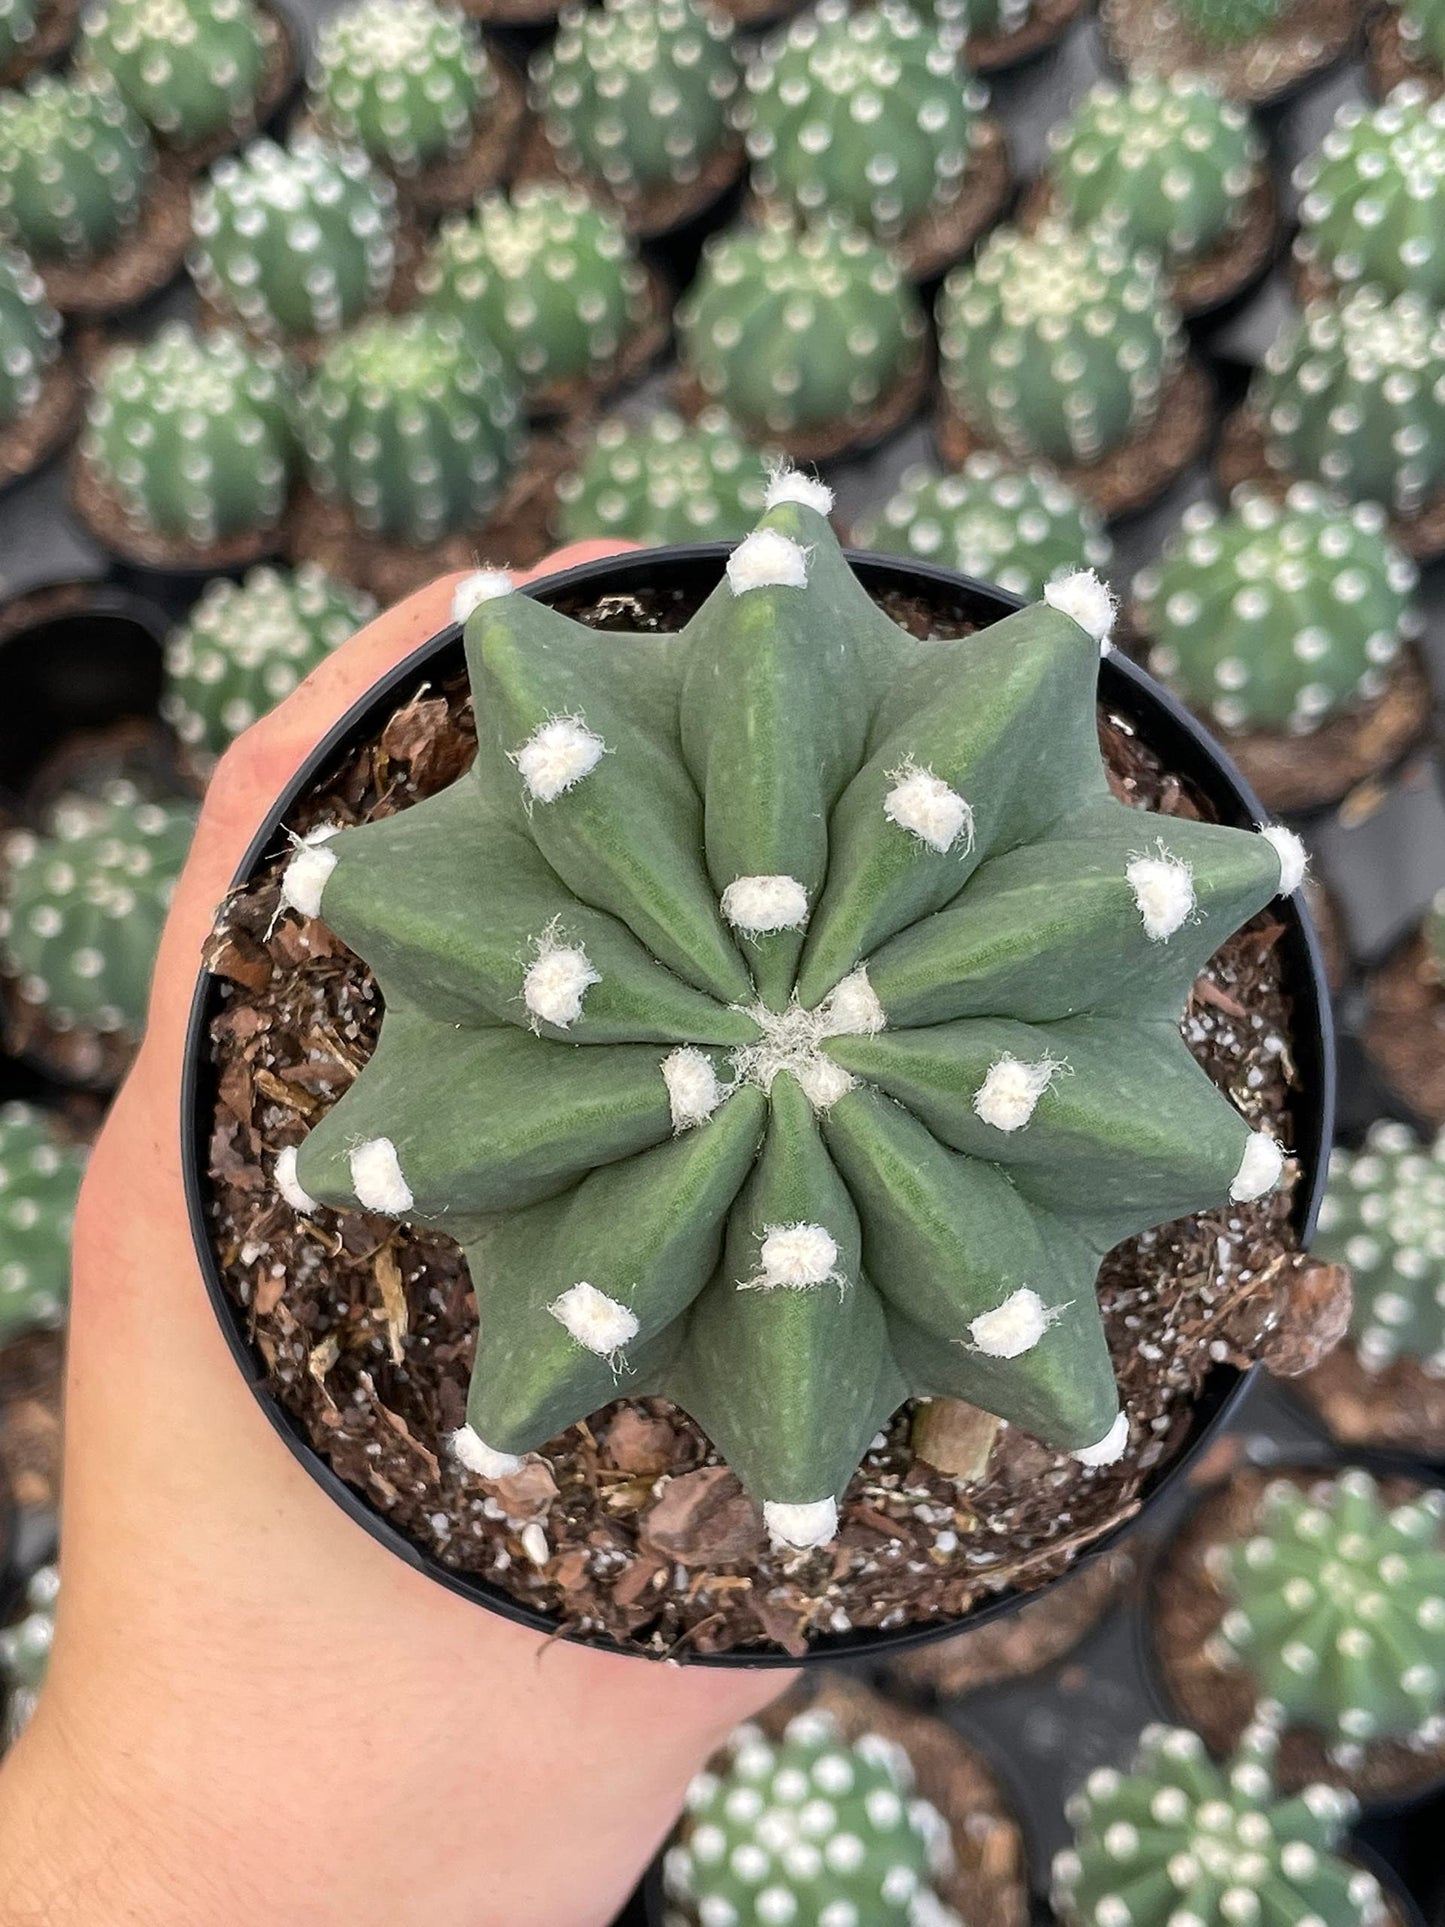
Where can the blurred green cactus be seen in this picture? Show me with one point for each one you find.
(1422, 30)
(39, 1180)
(408, 81)
(1372, 198)
(192, 69)
(663, 481)
(29, 337)
(75, 167)
(17, 29)
(25, 1651)
(1229, 23)
(1384, 1216)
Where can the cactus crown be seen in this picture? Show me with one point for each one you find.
(412, 426)
(39, 1179)
(405, 79)
(636, 92)
(75, 164)
(1180, 1840)
(25, 1650)
(546, 275)
(190, 68)
(810, 1828)
(795, 327)
(1278, 616)
(666, 480)
(296, 240)
(1057, 344)
(1229, 23)
(1372, 206)
(85, 905)
(1166, 159)
(1018, 527)
(192, 433)
(860, 112)
(246, 645)
(29, 336)
(1384, 1216)
(773, 874)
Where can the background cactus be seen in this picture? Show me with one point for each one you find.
(245, 646)
(1018, 527)
(546, 276)
(29, 337)
(25, 1650)
(413, 427)
(866, 113)
(1229, 23)
(75, 167)
(636, 93)
(192, 434)
(39, 1179)
(192, 69)
(708, 1201)
(798, 327)
(832, 1828)
(406, 80)
(297, 240)
(1337, 1610)
(1057, 344)
(1278, 615)
(17, 29)
(1180, 1839)
(1372, 199)
(664, 480)
(1422, 30)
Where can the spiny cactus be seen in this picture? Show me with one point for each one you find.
(742, 866)
(75, 167)
(192, 69)
(84, 906)
(636, 93)
(412, 426)
(810, 1828)
(1384, 1216)
(1181, 1842)
(408, 81)
(295, 241)
(1057, 344)
(1278, 615)
(245, 646)
(548, 277)
(17, 28)
(1229, 23)
(1372, 199)
(29, 336)
(865, 113)
(798, 327)
(1337, 1610)
(39, 1178)
(192, 434)
(1165, 159)
(1422, 30)
(666, 480)
(25, 1650)
(1018, 527)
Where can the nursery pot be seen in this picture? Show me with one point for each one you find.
(684, 576)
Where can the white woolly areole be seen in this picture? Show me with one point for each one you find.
(823, 1082)
(796, 1255)
(560, 754)
(1009, 1095)
(376, 1177)
(485, 585)
(289, 1185)
(925, 806)
(1089, 601)
(1163, 888)
(1292, 854)
(1013, 1327)
(792, 485)
(759, 904)
(470, 1449)
(693, 1089)
(801, 1526)
(1109, 1449)
(767, 560)
(852, 1009)
(1259, 1170)
(557, 981)
(306, 875)
(594, 1320)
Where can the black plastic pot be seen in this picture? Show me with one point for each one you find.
(687, 574)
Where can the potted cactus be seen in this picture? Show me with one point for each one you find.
(39, 394)
(662, 480)
(1406, 41)
(25, 1652)
(40, 1172)
(1255, 50)
(1371, 199)
(1003, 33)
(33, 34)
(1404, 1023)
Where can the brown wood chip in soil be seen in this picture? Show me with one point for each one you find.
(144, 261)
(278, 77)
(299, 1020)
(653, 213)
(1389, 60)
(1149, 36)
(35, 437)
(95, 503)
(1050, 20)
(581, 395)
(1404, 1028)
(32, 1383)
(828, 441)
(1219, 1701)
(1400, 1408)
(56, 24)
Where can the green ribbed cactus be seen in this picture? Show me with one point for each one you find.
(1166, 159)
(866, 113)
(29, 336)
(84, 906)
(1181, 1842)
(1422, 30)
(809, 1828)
(17, 28)
(1229, 23)
(246, 645)
(75, 167)
(793, 328)
(39, 1179)
(1372, 198)
(412, 426)
(1057, 344)
(1278, 615)
(1018, 527)
(858, 1104)
(544, 274)
(665, 480)
(1337, 1610)
(406, 80)
(297, 240)
(192, 434)
(25, 1651)
(636, 93)
(192, 69)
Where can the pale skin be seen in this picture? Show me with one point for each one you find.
(255, 1714)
